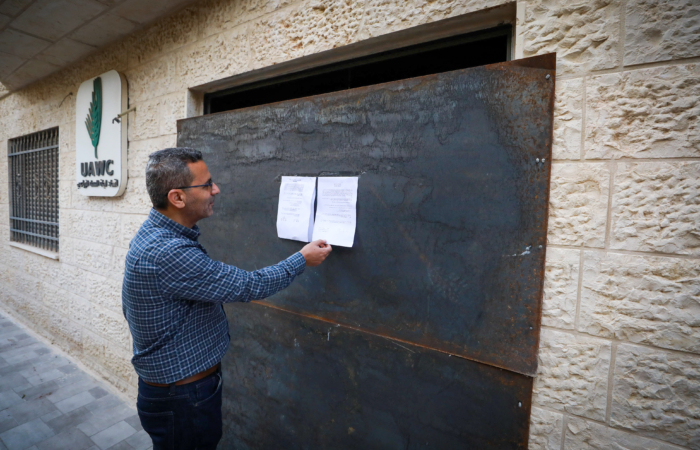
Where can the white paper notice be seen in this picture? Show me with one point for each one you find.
(295, 213)
(336, 212)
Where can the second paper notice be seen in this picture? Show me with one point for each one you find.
(336, 214)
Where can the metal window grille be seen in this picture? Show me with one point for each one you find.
(33, 163)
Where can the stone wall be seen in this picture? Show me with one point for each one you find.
(619, 354)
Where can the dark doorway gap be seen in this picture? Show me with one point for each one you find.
(453, 53)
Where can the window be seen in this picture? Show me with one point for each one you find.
(33, 165)
(440, 55)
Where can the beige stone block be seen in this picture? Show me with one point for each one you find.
(144, 122)
(172, 108)
(139, 151)
(67, 169)
(84, 202)
(582, 434)
(656, 207)
(573, 374)
(661, 30)
(135, 199)
(95, 226)
(112, 326)
(130, 224)
(93, 346)
(104, 291)
(545, 429)
(578, 204)
(657, 393)
(560, 287)
(118, 361)
(118, 263)
(217, 16)
(64, 332)
(387, 16)
(305, 28)
(81, 310)
(216, 57)
(87, 255)
(154, 79)
(165, 35)
(649, 113)
(642, 299)
(584, 33)
(65, 188)
(568, 119)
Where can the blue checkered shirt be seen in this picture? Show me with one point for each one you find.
(172, 298)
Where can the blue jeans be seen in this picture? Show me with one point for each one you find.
(186, 417)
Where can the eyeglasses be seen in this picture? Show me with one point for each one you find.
(209, 185)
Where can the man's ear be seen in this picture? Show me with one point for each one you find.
(177, 198)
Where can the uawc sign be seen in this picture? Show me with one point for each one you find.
(100, 136)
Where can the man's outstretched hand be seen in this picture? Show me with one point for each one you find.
(315, 252)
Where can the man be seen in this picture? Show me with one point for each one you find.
(173, 296)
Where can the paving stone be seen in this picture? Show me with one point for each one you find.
(70, 439)
(40, 391)
(14, 356)
(98, 392)
(45, 366)
(112, 435)
(46, 376)
(135, 422)
(140, 441)
(30, 433)
(81, 383)
(75, 402)
(51, 416)
(102, 404)
(72, 419)
(6, 421)
(26, 411)
(123, 445)
(16, 367)
(13, 380)
(9, 398)
(106, 419)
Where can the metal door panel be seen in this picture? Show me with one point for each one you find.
(292, 382)
(452, 204)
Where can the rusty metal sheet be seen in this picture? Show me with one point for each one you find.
(292, 382)
(452, 204)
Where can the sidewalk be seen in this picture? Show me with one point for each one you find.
(48, 403)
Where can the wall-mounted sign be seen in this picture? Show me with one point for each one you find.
(100, 136)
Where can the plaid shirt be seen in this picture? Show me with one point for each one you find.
(172, 298)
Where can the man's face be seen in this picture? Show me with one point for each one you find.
(199, 202)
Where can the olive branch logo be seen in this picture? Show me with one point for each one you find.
(93, 122)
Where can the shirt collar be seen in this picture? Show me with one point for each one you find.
(162, 221)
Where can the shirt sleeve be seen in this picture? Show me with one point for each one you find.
(187, 273)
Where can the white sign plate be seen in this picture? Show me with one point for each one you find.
(100, 142)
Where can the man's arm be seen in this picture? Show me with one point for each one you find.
(187, 273)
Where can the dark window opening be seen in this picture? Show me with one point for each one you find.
(453, 53)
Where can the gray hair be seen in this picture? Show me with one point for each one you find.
(167, 169)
